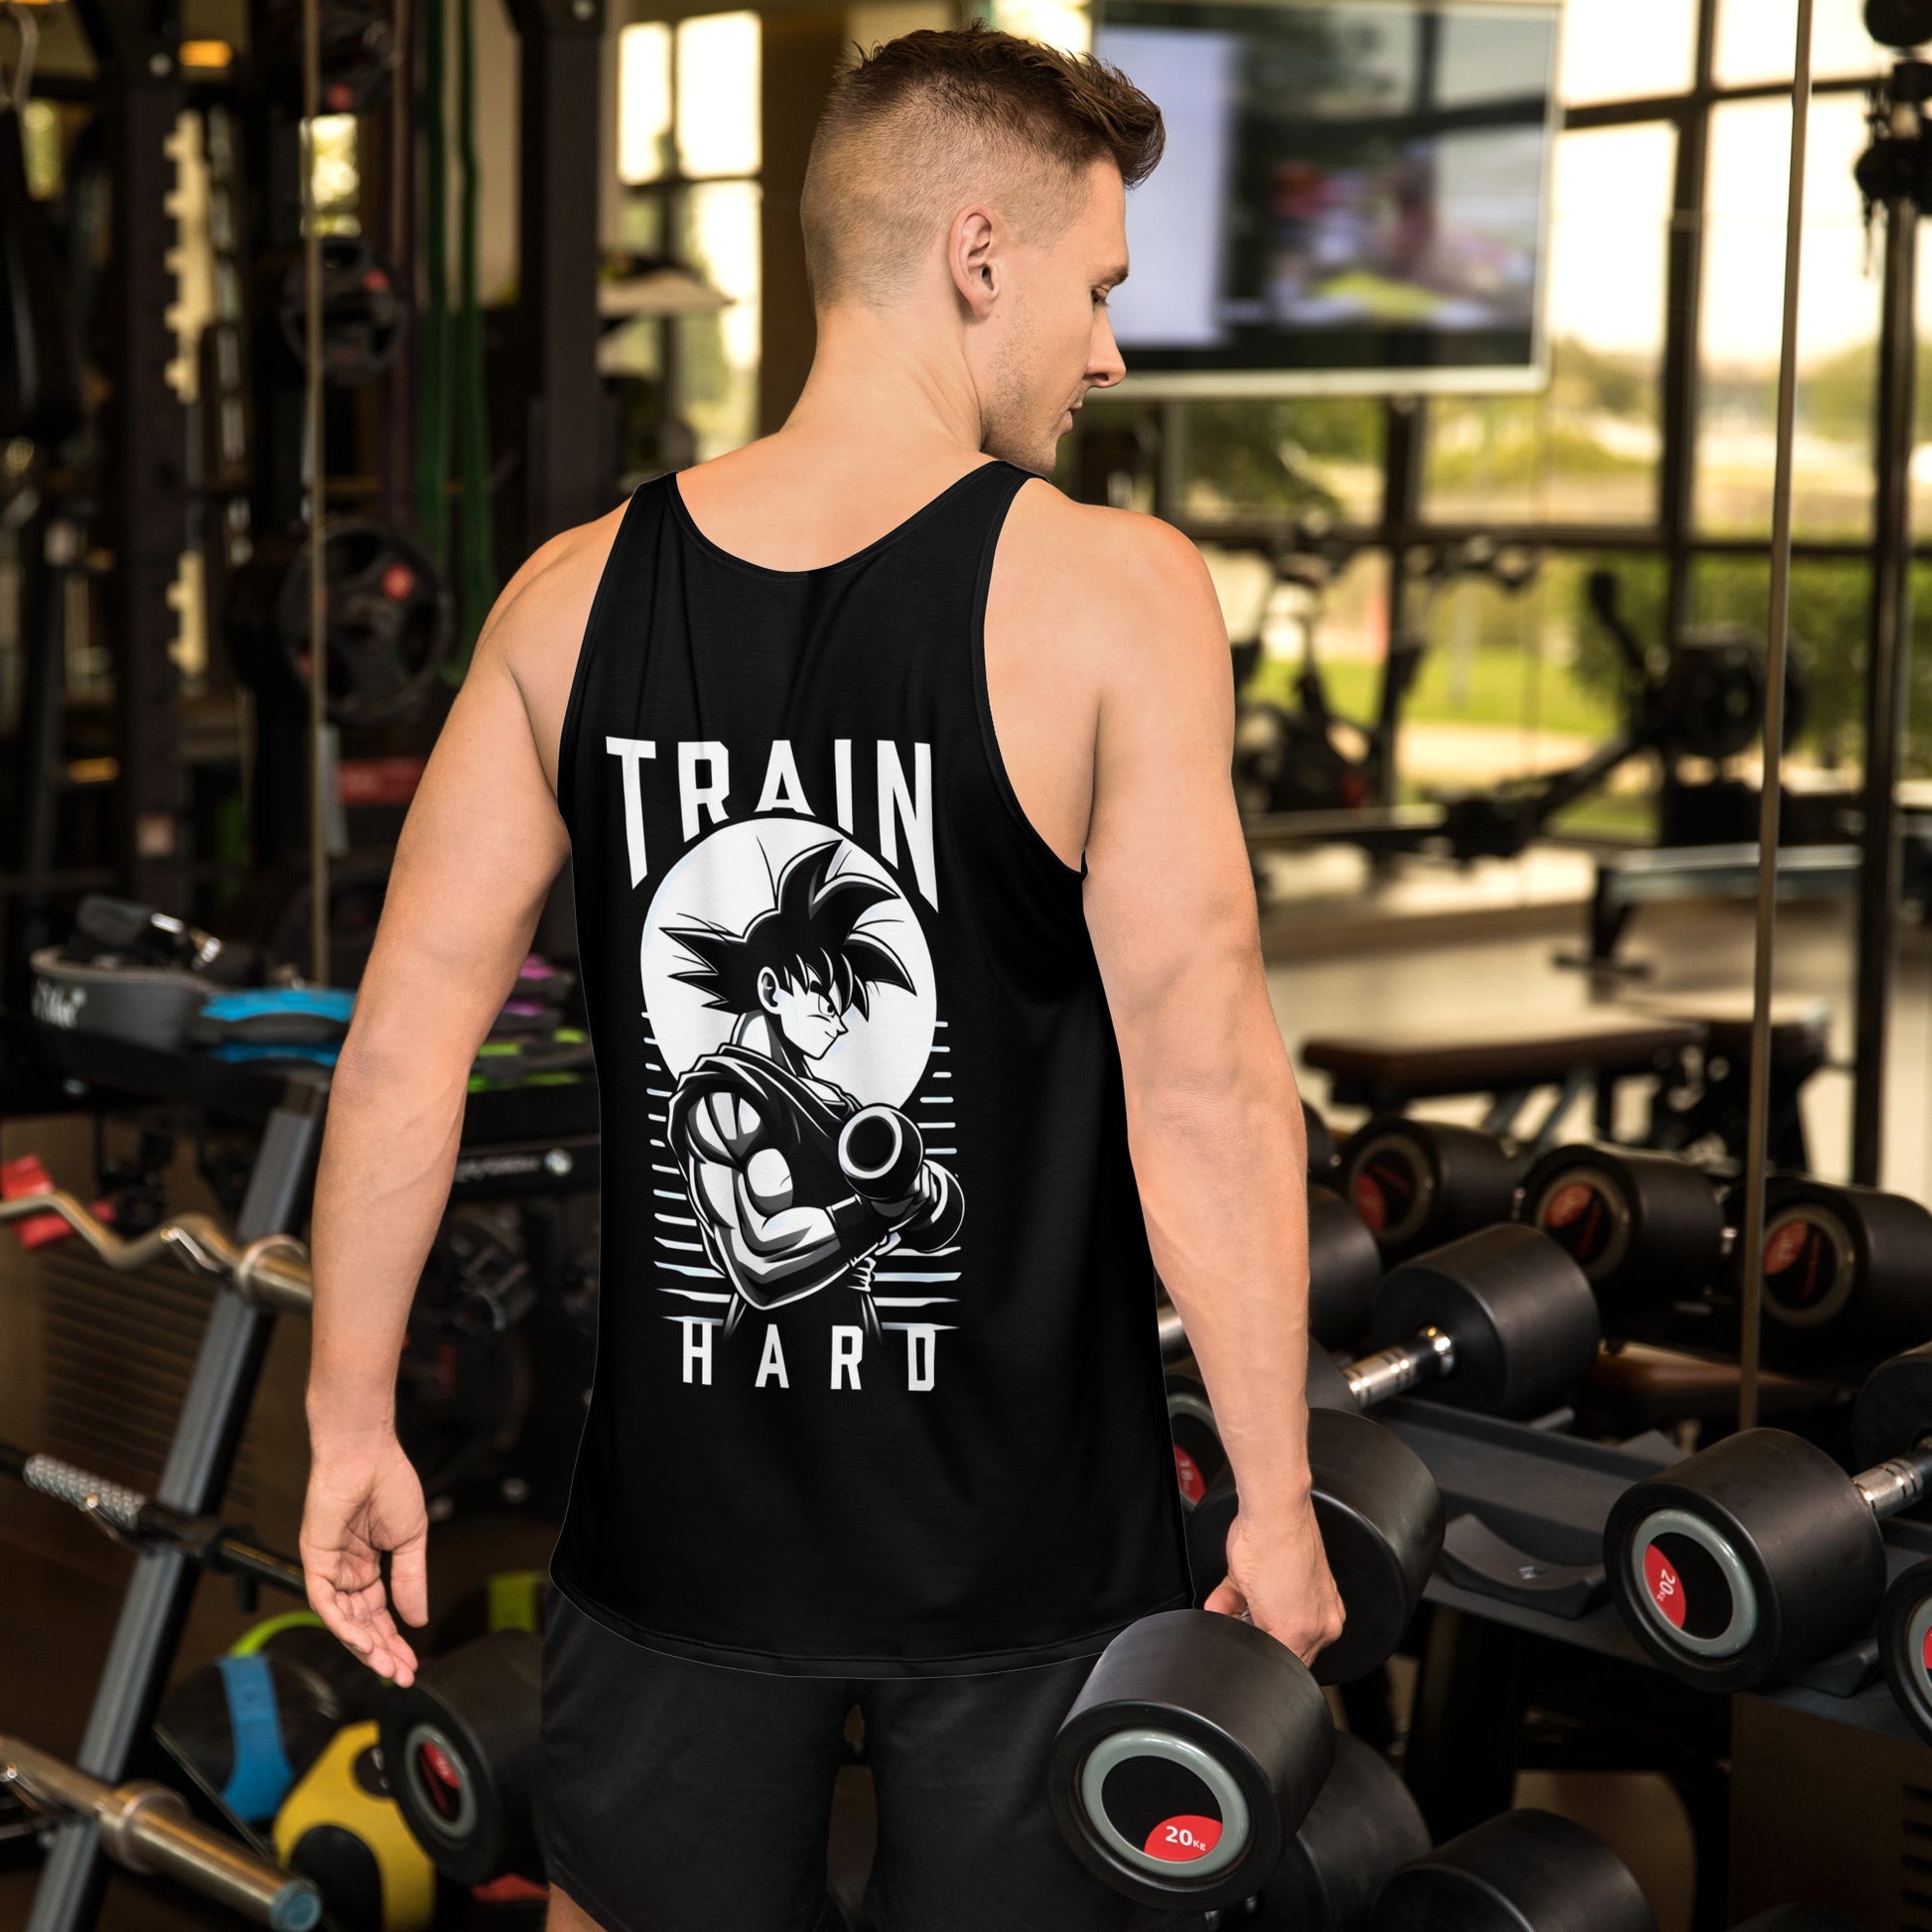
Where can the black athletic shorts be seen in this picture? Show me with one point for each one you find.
(687, 1797)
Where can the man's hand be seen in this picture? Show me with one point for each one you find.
(1278, 1576)
(364, 1498)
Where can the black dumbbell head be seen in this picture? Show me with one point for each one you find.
(1344, 1270)
(1893, 1412)
(1645, 1228)
(1363, 1829)
(462, 1748)
(1420, 1182)
(1380, 1515)
(1905, 1644)
(1327, 1385)
(1524, 1871)
(1194, 1751)
(1521, 1315)
(1847, 1271)
(1753, 1556)
(1381, 1519)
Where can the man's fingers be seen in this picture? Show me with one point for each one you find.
(409, 1579)
(1226, 1598)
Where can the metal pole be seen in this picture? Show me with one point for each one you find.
(1885, 669)
(319, 763)
(1756, 1149)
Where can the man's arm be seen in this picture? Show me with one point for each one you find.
(1213, 1120)
(478, 852)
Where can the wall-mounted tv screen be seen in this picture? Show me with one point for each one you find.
(1354, 194)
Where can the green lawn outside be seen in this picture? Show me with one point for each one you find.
(1505, 687)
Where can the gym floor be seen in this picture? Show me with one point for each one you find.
(1417, 953)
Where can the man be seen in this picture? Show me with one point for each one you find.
(875, 646)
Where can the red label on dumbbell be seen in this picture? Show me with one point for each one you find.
(1785, 1246)
(1182, 1839)
(441, 1778)
(1371, 1203)
(1568, 1204)
(1194, 1485)
(398, 582)
(1666, 1587)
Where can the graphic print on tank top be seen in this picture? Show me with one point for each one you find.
(803, 1133)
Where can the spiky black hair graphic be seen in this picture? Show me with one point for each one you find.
(807, 937)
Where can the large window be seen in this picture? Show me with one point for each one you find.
(1650, 452)
(688, 155)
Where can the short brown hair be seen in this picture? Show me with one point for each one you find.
(930, 117)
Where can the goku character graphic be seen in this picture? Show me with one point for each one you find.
(797, 1187)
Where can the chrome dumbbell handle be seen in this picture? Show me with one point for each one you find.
(1392, 1371)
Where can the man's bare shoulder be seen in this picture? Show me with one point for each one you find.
(1129, 583)
(550, 597)
(536, 628)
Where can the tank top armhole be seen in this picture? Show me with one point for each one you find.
(580, 675)
(983, 703)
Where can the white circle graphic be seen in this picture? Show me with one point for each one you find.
(725, 880)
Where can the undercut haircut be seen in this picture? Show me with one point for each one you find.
(927, 122)
(809, 937)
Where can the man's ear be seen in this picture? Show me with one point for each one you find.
(768, 989)
(973, 254)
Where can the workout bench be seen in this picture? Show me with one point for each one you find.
(1388, 1071)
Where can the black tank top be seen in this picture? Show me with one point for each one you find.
(878, 1386)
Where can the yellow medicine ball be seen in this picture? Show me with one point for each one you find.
(341, 1827)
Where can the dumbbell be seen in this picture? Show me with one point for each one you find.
(1417, 1183)
(462, 1747)
(1199, 1743)
(1501, 1320)
(1760, 1554)
(1380, 1515)
(1848, 1272)
(1646, 1228)
(1523, 1871)
(1362, 1830)
(1198, 1458)
(1344, 1270)
(1905, 1644)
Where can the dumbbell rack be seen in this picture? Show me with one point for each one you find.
(537, 1138)
(1541, 1499)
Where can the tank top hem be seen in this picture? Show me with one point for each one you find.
(772, 1663)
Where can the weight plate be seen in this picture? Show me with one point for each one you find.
(365, 311)
(1905, 1644)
